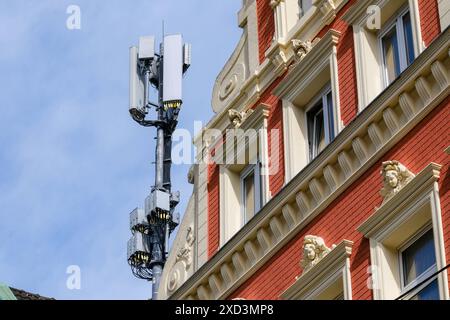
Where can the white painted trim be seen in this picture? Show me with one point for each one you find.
(339, 124)
(439, 241)
(419, 45)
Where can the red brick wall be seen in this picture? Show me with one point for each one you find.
(424, 144)
(275, 122)
(346, 66)
(429, 20)
(213, 209)
(266, 26)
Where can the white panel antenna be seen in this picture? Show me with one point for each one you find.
(137, 95)
(173, 71)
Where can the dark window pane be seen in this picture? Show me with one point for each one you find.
(430, 292)
(316, 130)
(409, 43)
(330, 117)
(391, 55)
(418, 257)
(319, 139)
(249, 194)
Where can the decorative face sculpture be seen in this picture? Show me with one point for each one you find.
(395, 176)
(309, 251)
(314, 249)
(391, 178)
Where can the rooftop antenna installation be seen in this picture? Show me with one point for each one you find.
(152, 226)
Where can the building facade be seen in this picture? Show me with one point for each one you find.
(324, 173)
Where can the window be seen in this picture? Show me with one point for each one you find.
(251, 192)
(304, 6)
(418, 262)
(396, 43)
(312, 83)
(243, 176)
(385, 49)
(320, 124)
(407, 242)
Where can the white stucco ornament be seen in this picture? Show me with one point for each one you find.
(191, 175)
(185, 252)
(314, 250)
(183, 261)
(236, 117)
(395, 177)
(302, 48)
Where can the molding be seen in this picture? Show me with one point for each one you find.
(333, 263)
(258, 229)
(357, 13)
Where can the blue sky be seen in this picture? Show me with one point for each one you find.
(72, 162)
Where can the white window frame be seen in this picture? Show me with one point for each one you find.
(427, 273)
(368, 61)
(329, 137)
(255, 169)
(395, 22)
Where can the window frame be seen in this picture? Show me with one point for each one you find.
(427, 273)
(396, 23)
(329, 121)
(256, 170)
(367, 53)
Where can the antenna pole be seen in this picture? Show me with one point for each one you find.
(151, 227)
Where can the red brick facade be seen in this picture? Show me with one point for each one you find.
(424, 144)
(342, 217)
(429, 20)
(213, 209)
(266, 27)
